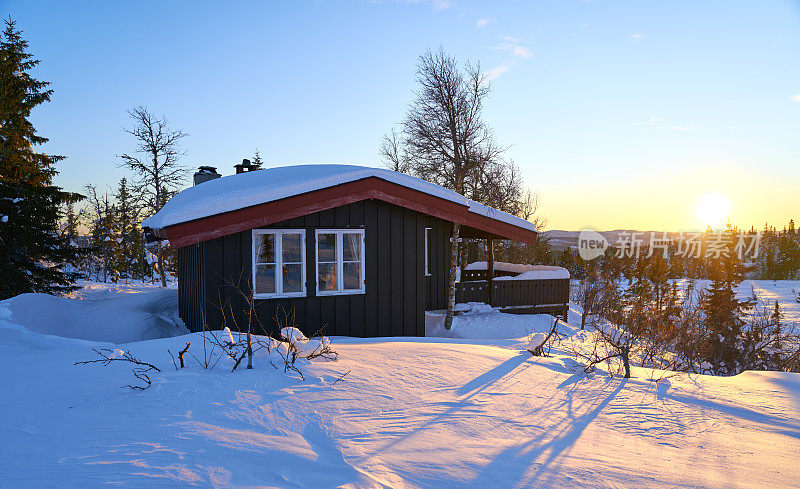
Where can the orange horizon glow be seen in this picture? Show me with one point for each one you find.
(672, 202)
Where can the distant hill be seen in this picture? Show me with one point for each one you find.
(559, 239)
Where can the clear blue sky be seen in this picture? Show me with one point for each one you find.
(621, 113)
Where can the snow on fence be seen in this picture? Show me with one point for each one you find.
(513, 271)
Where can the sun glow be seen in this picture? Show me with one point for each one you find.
(712, 209)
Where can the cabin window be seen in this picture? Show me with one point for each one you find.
(427, 251)
(340, 261)
(279, 266)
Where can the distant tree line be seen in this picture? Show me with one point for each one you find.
(777, 257)
(108, 233)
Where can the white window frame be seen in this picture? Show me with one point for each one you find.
(278, 233)
(427, 251)
(339, 248)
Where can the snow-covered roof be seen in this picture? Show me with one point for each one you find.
(542, 272)
(247, 189)
(502, 266)
(491, 212)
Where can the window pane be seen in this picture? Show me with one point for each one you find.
(327, 276)
(326, 247)
(351, 272)
(352, 247)
(293, 277)
(292, 248)
(265, 279)
(265, 248)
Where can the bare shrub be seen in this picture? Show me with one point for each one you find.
(140, 370)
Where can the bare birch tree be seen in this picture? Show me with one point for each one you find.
(155, 160)
(445, 141)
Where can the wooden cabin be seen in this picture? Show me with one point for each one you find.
(346, 250)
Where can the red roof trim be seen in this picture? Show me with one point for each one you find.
(500, 228)
(299, 205)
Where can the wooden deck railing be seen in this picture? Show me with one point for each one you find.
(545, 295)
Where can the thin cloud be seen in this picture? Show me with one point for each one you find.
(483, 23)
(638, 37)
(658, 123)
(795, 98)
(516, 46)
(496, 72)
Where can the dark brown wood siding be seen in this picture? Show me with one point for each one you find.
(191, 284)
(397, 290)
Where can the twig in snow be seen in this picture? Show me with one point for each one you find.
(340, 377)
(180, 355)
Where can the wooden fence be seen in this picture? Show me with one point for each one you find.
(472, 275)
(549, 295)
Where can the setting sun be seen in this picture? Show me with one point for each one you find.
(712, 209)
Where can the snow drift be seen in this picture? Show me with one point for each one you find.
(123, 318)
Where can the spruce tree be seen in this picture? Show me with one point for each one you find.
(72, 220)
(105, 239)
(130, 238)
(33, 253)
(723, 316)
(258, 162)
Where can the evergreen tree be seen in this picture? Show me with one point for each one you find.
(723, 316)
(127, 229)
(33, 253)
(104, 236)
(71, 223)
(776, 320)
(258, 162)
(567, 260)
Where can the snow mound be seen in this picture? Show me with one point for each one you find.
(472, 307)
(118, 319)
(305, 347)
(537, 340)
(491, 325)
(292, 334)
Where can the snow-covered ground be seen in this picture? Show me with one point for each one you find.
(767, 292)
(99, 290)
(784, 291)
(410, 412)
